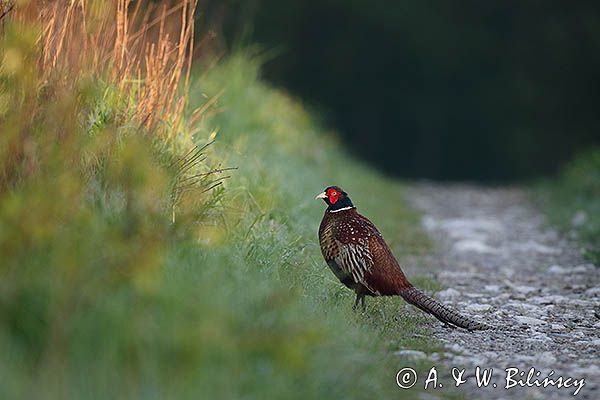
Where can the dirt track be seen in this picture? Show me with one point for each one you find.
(500, 262)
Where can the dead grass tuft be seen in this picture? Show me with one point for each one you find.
(143, 49)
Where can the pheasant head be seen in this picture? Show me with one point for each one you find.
(335, 198)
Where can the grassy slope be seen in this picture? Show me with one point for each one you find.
(279, 321)
(103, 300)
(572, 202)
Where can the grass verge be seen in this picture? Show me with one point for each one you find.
(572, 202)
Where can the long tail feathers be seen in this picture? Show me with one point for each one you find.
(444, 313)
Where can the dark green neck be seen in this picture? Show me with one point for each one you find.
(341, 203)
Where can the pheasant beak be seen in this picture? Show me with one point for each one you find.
(321, 196)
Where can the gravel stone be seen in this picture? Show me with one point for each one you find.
(411, 354)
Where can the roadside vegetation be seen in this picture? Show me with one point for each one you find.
(572, 202)
(134, 263)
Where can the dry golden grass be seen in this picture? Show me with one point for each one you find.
(144, 49)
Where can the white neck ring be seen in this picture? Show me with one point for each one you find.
(341, 209)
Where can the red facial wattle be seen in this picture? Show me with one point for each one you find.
(333, 195)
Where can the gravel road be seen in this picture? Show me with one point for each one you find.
(501, 263)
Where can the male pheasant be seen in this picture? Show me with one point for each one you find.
(358, 255)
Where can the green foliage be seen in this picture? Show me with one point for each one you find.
(102, 296)
(573, 201)
(84, 232)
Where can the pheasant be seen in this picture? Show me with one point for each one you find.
(359, 257)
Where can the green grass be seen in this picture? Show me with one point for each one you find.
(572, 202)
(102, 297)
(279, 275)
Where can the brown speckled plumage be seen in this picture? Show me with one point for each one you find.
(360, 258)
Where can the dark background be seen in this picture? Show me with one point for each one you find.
(450, 90)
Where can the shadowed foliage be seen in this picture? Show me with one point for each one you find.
(488, 91)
